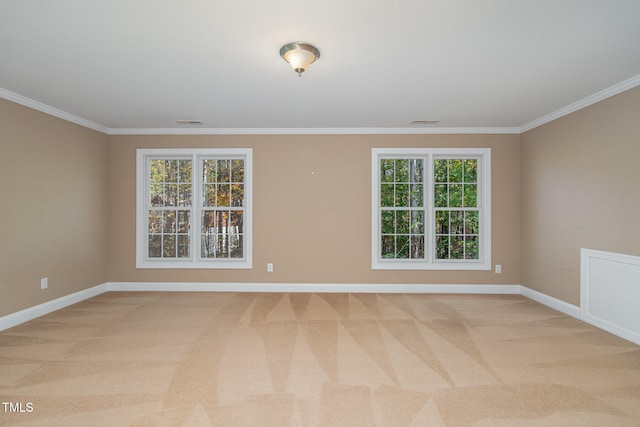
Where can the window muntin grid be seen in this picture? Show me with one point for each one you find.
(169, 208)
(455, 193)
(222, 231)
(402, 212)
(195, 208)
(457, 227)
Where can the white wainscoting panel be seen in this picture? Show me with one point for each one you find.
(610, 292)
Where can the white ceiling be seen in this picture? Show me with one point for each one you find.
(123, 64)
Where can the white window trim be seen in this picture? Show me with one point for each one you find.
(142, 261)
(484, 202)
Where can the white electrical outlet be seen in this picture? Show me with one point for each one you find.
(44, 283)
(270, 267)
(498, 269)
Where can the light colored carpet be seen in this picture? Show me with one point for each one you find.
(248, 359)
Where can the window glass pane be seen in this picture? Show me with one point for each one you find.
(222, 221)
(169, 246)
(455, 170)
(223, 196)
(156, 170)
(171, 194)
(470, 171)
(442, 247)
(440, 170)
(208, 245)
(156, 195)
(209, 170)
(417, 222)
(169, 222)
(155, 246)
(416, 195)
(471, 195)
(171, 171)
(457, 248)
(386, 170)
(184, 195)
(442, 222)
(402, 247)
(455, 195)
(237, 195)
(185, 171)
(471, 222)
(471, 247)
(387, 221)
(416, 170)
(441, 197)
(417, 247)
(402, 195)
(209, 198)
(387, 247)
(457, 222)
(403, 223)
(387, 195)
(218, 237)
(236, 246)
(183, 246)
(184, 221)
(208, 222)
(236, 221)
(402, 170)
(237, 171)
(222, 246)
(155, 222)
(224, 171)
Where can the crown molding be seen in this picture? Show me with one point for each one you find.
(313, 131)
(583, 103)
(571, 108)
(44, 108)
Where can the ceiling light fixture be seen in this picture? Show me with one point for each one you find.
(299, 55)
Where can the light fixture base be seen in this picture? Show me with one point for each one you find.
(299, 55)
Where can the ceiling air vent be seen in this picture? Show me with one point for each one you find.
(188, 122)
(424, 122)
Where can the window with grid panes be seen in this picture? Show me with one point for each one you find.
(194, 208)
(431, 209)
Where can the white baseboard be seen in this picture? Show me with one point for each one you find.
(25, 315)
(313, 287)
(22, 316)
(544, 299)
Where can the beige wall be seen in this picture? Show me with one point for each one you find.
(68, 208)
(312, 208)
(68, 203)
(53, 183)
(580, 189)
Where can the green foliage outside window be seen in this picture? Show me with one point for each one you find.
(402, 213)
(456, 203)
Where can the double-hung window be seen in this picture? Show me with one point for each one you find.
(193, 208)
(431, 209)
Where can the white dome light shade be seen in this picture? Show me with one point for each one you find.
(299, 55)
